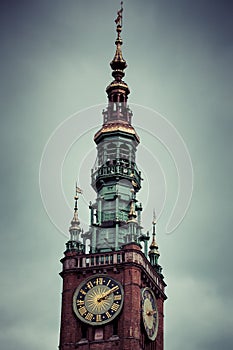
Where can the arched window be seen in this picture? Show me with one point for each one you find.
(124, 151)
(111, 151)
(100, 156)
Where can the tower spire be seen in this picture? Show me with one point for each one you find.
(114, 271)
(75, 230)
(118, 90)
(154, 249)
(117, 116)
(118, 64)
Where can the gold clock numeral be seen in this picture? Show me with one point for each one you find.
(83, 292)
(108, 314)
(99, 281)
(117, 297)
(108, 283)
(98, 318)
(90, 285)
(82, 310)
(89, 316)
(114, 307)
(80, 302)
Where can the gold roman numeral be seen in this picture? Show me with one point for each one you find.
(114, 307)
(82, 310)
(90, 285)
(108, 314)
(80, 302)
(83, 292)
(99, 280)
(89, 316)
(117, 297)
(98, 318)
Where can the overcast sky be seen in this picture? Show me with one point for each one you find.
(54, 62)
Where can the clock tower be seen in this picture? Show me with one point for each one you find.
(113, 293)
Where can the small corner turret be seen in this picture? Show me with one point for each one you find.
(74, 244)
(154, 249)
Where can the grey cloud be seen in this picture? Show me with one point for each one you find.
(55, 58)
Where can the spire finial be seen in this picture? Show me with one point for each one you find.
(118, 20)
(154, 217)
(154, 223)
(118, 63)
(77, 190)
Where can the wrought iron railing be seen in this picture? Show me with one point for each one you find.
(119, 168)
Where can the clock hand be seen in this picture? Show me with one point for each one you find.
(106, 294)
(151, 313)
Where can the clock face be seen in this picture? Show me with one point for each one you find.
(150, 313)
(98, 300)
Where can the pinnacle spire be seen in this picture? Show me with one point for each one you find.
(154, 245)
(75, 230)
(118, 90)
(117, 116)
(154, 249)
(75, 221)
(118, 63)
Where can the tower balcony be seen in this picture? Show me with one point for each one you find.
(117, 169)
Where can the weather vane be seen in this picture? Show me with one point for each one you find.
(118, 20)
(77, 191)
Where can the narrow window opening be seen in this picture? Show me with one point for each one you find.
(83, 331)
(115, 327)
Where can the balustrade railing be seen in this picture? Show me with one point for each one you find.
(120, 168)
(112, 258)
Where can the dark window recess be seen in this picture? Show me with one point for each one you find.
(84, 331)
(115, 327)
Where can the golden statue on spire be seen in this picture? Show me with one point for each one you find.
(118, 20)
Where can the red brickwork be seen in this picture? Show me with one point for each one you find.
(128, 325)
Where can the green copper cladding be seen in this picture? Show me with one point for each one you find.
(116, 179)
(115, 176)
